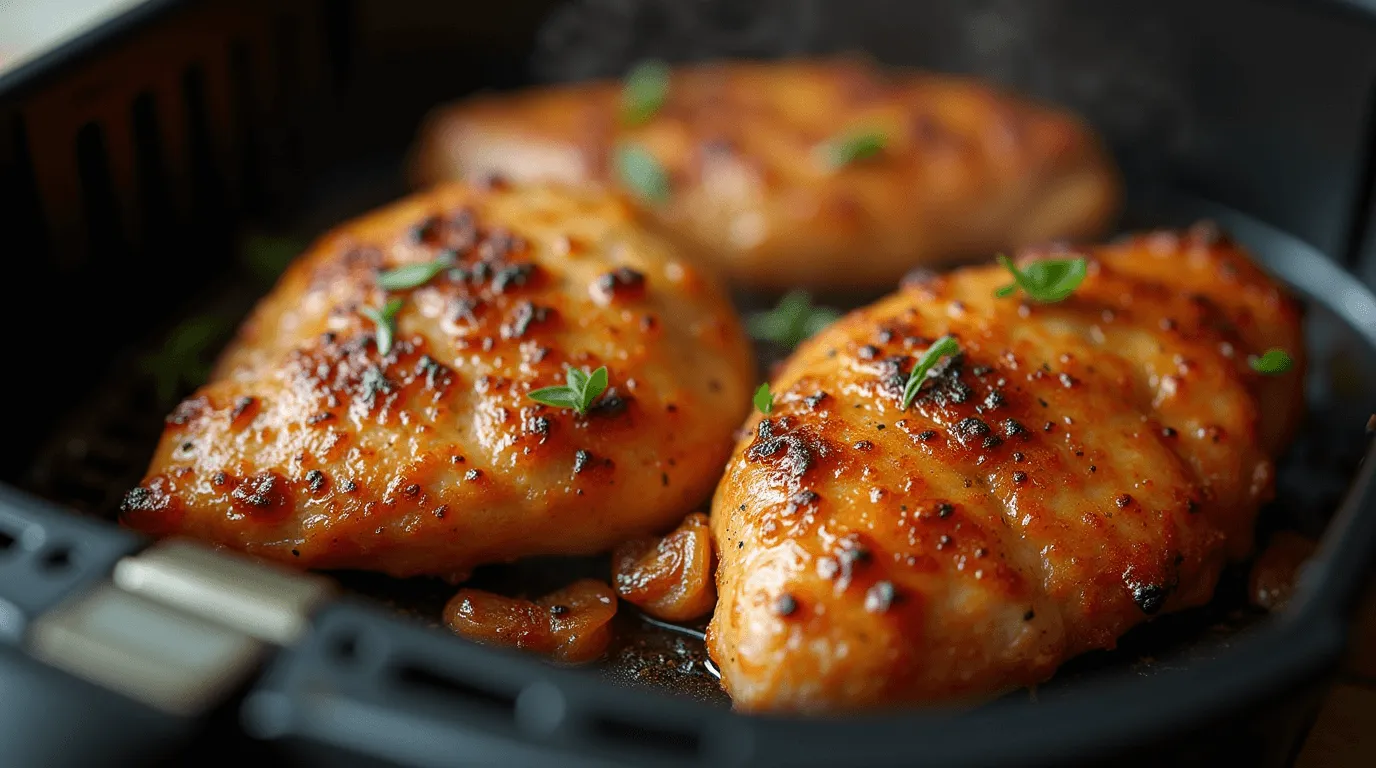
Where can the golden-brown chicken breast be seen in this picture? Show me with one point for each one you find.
(312, 446)
(766, 171)
(1076, 469)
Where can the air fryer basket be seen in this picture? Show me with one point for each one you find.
(292, 116)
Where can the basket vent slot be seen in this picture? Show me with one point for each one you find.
(657, 737)
(205, 183)
(7, 541)
(19, 194)
(424, 678)
(287, 55)
(58, 559)
(244, 108)
(154, 195)
(339, 42)
(98, 194)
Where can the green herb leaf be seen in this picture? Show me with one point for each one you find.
(764, 399)
(844, 149)
(267, 257)
(641, 173)
(184, 360)
(413, 275)
(579, 393)
(1047, 281)
(1273, 362)
(945, 346)
(644, 92)
(792, 321)
(385, 318)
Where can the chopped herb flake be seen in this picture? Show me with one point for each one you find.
(1047, 281)
(184, 360)
(1275, 361)
(410, 276)
(844, 149)
(945, 346)
(644, 92)
(579, 393)
(641, 173)
(792, 322)
(385, 318)
(764, 399)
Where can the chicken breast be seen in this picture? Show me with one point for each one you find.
(310, 446)
(748, 149)
(1076, 469)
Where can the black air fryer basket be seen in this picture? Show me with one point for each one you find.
(136, 159)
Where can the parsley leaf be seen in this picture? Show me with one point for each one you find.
(385, 318)
(843, 149)
(1047, 281)
(184, 360)
(764, 399)
(641, 173)
(413, 275)
(792, 322)
(1275, 361)
(945, 346)
(644, 92)
(579, 393)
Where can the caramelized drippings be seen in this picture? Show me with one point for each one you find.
(572, 624)
(671, 577)
(1272, 580)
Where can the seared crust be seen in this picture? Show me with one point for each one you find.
(1078, 468)
(967, 170)
(309, 447)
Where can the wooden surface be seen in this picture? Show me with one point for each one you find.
(1344, 734)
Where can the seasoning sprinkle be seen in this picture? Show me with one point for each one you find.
(879, 598)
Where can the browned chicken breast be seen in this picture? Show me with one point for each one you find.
(832, 174)
(1076, 469)
(313, 445)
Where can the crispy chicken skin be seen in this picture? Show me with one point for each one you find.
(1079, 468)
(967, 170)
(309, 447)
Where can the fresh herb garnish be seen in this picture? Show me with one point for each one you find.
(266, 257)
(844, 149)
(764, 399)
(644, 91)
(580, 392)
(385, 318)
(1047, 281)
(640, 172)
(945, 346)
(1273, 362)
(792, 322)
(413, 275)
(184, 359)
